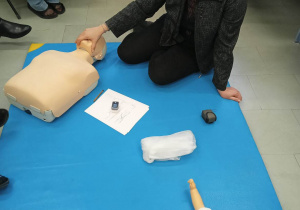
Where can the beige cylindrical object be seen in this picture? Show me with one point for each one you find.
(195, 195)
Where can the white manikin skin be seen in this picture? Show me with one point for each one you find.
(56, 80)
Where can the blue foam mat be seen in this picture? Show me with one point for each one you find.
(77, 162)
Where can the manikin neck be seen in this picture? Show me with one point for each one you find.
(84, 55)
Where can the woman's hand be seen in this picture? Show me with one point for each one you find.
(92, 34)
(231, 93)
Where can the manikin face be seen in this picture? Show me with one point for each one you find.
(100, 49)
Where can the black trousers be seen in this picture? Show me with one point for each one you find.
(166, 64)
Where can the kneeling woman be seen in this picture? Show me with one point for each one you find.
(193, 36)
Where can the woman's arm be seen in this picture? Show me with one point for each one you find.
(226, 39)
(133, 14)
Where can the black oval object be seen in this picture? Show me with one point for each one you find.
(3, 117)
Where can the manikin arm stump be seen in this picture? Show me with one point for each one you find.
(196, 198)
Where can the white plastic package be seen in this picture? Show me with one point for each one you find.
(170, 147)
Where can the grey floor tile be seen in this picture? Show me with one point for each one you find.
(265, 3)
(242, 83)
(265, 14)
(260, 34)
(49, 34)
(248, 33)
(11, 62)
(293, 11)
(281, 60)
(76, 12)
(298, 158)
(7, 44)
(72, 32)
(276, 91)
(294, 3)
(297, 114)
(258, 3)
(284, 172)
(247, 61)
(298, 78)
(116, 6)
(274, 131)
(280, 34)
(98, 13)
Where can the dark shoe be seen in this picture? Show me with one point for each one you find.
(3, 117)
(59, 8)
(13, 30)
(3, 181)
(43, 14)
(141, 26)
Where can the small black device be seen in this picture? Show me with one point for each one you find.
(208, 116)
(3, 181)
(115, 105)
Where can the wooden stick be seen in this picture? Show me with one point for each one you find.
(98, 95)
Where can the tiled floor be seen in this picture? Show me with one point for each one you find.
(266, 71)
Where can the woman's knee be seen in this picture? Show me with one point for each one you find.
(158, 72)
(124, 54)
(129, 50)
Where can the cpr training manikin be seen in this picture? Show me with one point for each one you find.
(54, 81)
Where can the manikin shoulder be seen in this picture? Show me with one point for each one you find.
(60, 60)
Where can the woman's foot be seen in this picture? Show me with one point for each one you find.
(59, 8)
(48, 13)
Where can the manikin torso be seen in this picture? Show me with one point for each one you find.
(56, 80)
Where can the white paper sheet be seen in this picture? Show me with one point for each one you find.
(129, 113)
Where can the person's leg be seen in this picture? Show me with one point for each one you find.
(38, 5)
(41, 9)
(177, 62)
(138, 47)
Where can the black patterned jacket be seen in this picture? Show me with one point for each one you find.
(217, 27)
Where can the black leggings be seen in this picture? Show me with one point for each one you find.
(166, 64)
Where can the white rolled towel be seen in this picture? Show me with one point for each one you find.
(170, 147)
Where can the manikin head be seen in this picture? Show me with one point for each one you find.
(100, 49)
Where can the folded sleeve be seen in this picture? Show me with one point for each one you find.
(227, 36)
